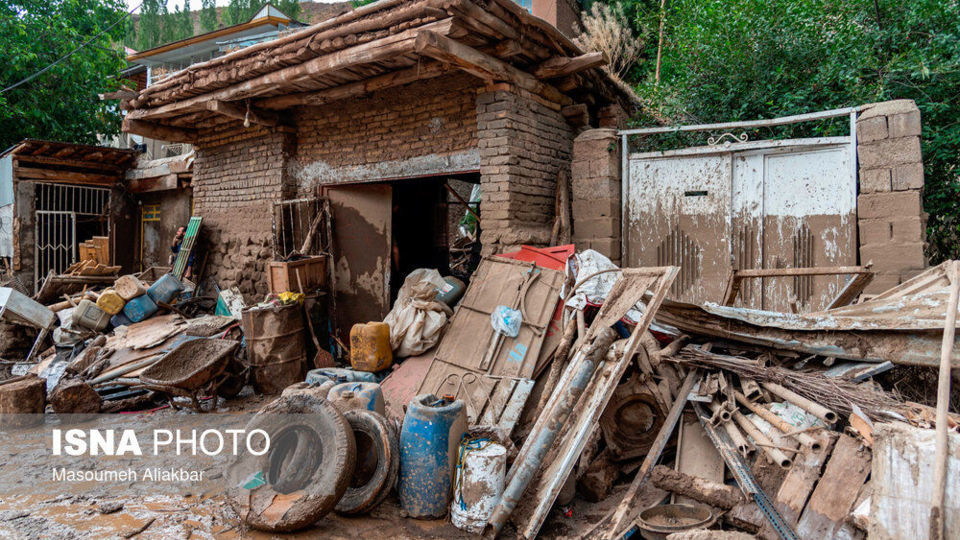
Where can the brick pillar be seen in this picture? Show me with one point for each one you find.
(890, 204)
(596, 192)
(525, 144)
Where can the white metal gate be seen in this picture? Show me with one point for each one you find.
(742, 205)
(55, 226)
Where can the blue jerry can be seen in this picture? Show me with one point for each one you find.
(165, 289)
(140, 308)
(358, 395)
(432, 429)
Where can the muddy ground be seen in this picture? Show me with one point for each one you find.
(34, 506)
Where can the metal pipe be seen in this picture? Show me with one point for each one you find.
(746, 449)
(719, 411)
(777, 422)
(782, 121)
(815, 409)
(762, 440)
(524, 471)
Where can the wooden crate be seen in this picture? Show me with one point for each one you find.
(282, 276)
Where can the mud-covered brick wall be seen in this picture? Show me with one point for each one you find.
(890, 214)
(525, 145)
(421, 129)
(596, 192)
(238, 174)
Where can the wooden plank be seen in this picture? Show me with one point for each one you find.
(696, 455)
(96, 166)
(832, 500)
(166, 182)
(851, 290)
(53, 175)
(562, 66)
(799, 482)
(483, 65)
(158, 131)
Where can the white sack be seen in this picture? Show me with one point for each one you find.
(417, 320)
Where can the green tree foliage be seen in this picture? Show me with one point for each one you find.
(149, 29)
(289, 7)
(727, 60)
(240, 11)
(208, 16)
(182, 21)
(61, 104)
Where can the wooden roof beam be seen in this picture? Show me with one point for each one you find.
(483, 65)
(251, 114)
(159, 131)
(563, 66)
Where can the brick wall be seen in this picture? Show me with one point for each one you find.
(525, 144)
(889, 207)
(425, 128)
(596, 192)
(238, 174)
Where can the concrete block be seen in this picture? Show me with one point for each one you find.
(907, 229)
(887, 108)
(909, 176)
(882, 282)
(592, 208)
(874, 231)
(596, 227)
(893, 257)
(904, 125)
(607, 246)
(889, 152)
(872, 129)
(888, 205)
(596, 188)
(874, 180)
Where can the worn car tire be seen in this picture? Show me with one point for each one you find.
(377, 465)
(306, 470)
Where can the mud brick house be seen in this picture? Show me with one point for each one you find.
(378, 109)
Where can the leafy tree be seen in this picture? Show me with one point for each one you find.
(150, 26)
(182, 21)
(60, 104)
(240, 11)
(727, 60)
(208, 16)
(289, 7)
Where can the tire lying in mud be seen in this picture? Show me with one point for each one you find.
(306, 470)
(377, 465)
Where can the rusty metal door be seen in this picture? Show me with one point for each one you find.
(362, 242)
(759, 204)
(678, 214)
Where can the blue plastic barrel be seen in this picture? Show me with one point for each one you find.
(432, 429)
(357, 395)
(165, 289)
(140, 308)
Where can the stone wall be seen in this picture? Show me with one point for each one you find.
(425, 128)
(890, 204)
(238, 175)
(525, 145)
(596, 192)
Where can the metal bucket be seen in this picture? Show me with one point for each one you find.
(276, 352)
(480, 472)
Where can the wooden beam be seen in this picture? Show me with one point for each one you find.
(397, 78)
(477, 16)
(254, 115)
(483, 65)
(149, 185)
(577, 115)
(158, 131)
(51, 175)
(737, 276)
(564, 66)
(508, 49)
(44, 160)
(119, 94)
(372, 51)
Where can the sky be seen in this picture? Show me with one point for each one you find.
(195, 4)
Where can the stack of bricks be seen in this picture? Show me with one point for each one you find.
(889, 207)
(525, 145)
(596, 192)
(238, 174)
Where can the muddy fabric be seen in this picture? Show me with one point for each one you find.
(417, 320)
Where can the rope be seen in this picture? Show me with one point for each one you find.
(467, 444)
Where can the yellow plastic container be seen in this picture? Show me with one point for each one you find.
(110, 302)
(370, 347)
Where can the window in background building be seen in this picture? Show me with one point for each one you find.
(526, 4)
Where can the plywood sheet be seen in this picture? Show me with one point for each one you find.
(832, 500)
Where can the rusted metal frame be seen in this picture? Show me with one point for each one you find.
(771, 122)
(737, 276)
